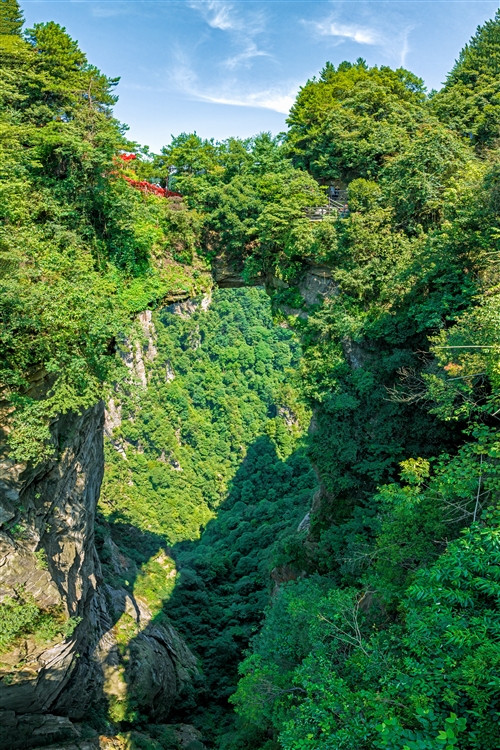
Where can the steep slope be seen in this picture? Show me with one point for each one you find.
(205, 475)
(382, 625)
(80, 255)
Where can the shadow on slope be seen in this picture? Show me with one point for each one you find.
(223, 583)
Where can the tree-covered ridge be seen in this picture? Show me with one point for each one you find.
(81, 250)
(395, 643)
(470, 97)
(380, 622)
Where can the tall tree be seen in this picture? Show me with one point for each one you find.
(470, 99)
(11, 17)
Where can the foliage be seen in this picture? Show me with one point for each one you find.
(339, 653)
(21, 618)
(394, 643)
(345, 123)
(251, 198)
(218, 383)
(74, 237)
(382, 625)
(211, 448)
(469, 101)
(223, 590)
(11, 17)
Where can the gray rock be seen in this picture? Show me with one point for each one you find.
(45, 687)
(34, 730)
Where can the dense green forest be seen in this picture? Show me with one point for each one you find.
(376, 625)
(215, 445)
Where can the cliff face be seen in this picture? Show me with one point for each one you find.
(73, 642)
(59, 653)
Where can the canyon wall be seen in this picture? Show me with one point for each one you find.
(50, 575)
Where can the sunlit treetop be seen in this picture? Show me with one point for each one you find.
(345, 123)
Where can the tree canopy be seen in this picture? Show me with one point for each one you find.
(374, 622)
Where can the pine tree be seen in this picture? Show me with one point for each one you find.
(470, 98)
(11, 17)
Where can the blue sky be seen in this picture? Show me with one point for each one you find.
(233, 67)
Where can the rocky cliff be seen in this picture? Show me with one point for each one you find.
(63, 647)
(59, 653)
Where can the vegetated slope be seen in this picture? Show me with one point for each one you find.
(388, 636)
(390, 639)
(209, 451)
(81, 250)
(221, 378)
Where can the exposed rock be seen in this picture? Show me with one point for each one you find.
(133, 352)
(113, 420)
(145, 319)
(112, 417)
(139, 366)
(288, 416)
(50, 556)
(32, 730)
(169, 372)
(356, 355)
(58, 499)
(305, 524)
(284, 573)
(228, 274)
(294, 311)
(131, 356)
(190, 306)
(187, 735)
(317, 284)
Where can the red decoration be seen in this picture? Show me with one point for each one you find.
(143, 185)
(148, 187)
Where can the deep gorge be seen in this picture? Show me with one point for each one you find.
(249, 438)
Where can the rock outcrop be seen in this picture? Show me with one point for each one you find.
(314, 284)
(60, 657)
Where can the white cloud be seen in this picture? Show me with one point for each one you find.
(340, 31)
(276, 100)
(242, 28)
(217, 13)
(405, 46)
(390, 37)
(245, 55)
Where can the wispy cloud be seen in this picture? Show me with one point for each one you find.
(251, 51)
(405, 45)
(242, 28)
(341, 32)
(217, 13)
(388, 34)
(278, 99)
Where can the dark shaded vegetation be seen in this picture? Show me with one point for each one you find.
(213, 455)
(383, 627)
(224, 585)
